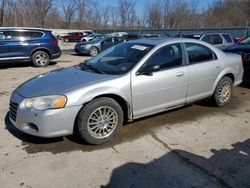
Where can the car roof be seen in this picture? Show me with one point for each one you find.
(204, 33)
(22, 29)
(162, 40)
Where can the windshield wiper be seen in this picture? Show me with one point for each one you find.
(92, 68)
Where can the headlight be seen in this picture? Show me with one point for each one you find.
(46, 102)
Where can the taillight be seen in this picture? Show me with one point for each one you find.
(54, 42)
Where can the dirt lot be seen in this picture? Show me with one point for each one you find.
(194, 146)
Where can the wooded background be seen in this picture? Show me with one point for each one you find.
(88, 14)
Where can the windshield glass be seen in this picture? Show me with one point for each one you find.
(98, 38)
(245, 41)
(118, 59)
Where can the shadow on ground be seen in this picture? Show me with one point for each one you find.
(178, 168)
(128, 133)
(21, 65)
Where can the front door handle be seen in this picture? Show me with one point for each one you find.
(2, 43)
(180, 74)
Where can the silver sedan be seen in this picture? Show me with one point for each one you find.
(125, 82)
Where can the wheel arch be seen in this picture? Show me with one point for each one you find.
(127, 110)
(227, 73)
(40, 49)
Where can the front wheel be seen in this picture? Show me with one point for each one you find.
(223, 92)
(99, 121)
(93, 51)
(40, 59)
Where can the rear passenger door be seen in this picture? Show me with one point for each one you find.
(203, 68)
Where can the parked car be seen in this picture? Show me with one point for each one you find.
(220, 40)
(24, 44)
(75, 36)
(129, 37)
(91, 37)
(243, 48)
(125, 82)
(118, 34)
(153, 35)
(97, 45)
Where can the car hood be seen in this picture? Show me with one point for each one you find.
(59, 82)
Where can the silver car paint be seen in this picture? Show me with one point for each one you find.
(143, 94)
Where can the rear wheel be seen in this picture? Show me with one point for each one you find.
(223, 92)
(93, 51)
(99, 121)
(40, 59)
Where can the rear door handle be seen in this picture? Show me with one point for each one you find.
(180, 74)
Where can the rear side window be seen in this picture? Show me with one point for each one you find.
(227, 38)
(216, 39)
(198, 53)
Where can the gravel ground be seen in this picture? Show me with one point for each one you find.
(194, 146)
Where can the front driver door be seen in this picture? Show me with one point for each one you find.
(165, 87)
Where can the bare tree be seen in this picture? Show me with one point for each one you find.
(126, 12)
(68, 8)
(41, 10)
(105, 14)
(154, 15)
(2, 11)
(114, 16)
(81, 12)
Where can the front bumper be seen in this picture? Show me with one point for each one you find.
(80, 50)
(47, 123)
(57, 55)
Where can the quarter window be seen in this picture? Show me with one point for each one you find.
(199, 53)
(33, 34)
(166, 57)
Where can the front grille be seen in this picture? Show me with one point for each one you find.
(13, 110)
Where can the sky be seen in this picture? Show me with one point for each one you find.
(141, 4)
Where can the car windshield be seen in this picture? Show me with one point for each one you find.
(118, 59)
(245, 41)
(98, 38)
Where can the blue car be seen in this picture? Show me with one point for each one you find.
(97, 45)
(243, 48)
(35, 45)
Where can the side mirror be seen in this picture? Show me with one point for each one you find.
(148, 70)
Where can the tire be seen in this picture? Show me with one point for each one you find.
(93, 51)
(40, 59)
(223, 92)
(99, 121)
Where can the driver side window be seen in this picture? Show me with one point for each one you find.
(166, 57)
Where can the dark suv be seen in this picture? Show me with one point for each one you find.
(36, 45)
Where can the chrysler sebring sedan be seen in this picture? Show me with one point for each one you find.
(125, 82)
